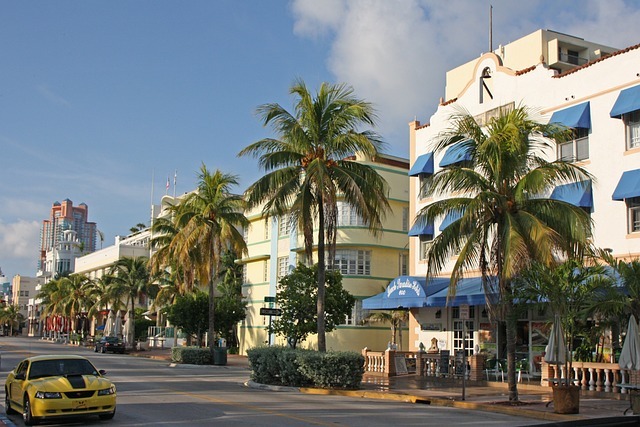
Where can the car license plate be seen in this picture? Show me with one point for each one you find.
(79, 404)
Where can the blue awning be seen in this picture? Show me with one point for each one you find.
(468, 291)
(405, 292)
(456, 153)
(420, 229)
(578, 116)
(577, 193)
(423, 164)
(450, 218)
(628, 186)
(628, 101)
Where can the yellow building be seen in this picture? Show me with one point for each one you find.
(367, 264)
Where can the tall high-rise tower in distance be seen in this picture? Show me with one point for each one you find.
(66, 234)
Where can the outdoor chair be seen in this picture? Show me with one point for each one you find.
(494, 367)
(522, 366)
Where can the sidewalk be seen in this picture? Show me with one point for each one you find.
(482, 396)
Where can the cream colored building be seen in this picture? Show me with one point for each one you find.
(22, 289)
(591, 88)
(367, 263)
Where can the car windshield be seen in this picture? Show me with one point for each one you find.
(61, 367)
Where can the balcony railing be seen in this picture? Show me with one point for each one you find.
(572, 59)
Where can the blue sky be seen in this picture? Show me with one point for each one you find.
(96, 98)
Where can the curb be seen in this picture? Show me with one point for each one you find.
(435, 401)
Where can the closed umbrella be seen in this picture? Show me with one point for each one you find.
(128, 330)
(117, 326)
(108, 327)
(556, 352)
(630, 355)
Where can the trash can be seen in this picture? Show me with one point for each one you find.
(220, 355)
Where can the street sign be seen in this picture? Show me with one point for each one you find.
(269, 299)
(464, 311)
(264, 311)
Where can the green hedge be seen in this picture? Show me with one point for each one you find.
(301, 368)
(191, 355)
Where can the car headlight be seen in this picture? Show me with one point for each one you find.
(107, 391)
(48, 395)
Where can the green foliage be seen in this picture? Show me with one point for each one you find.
(230, 307)
(191, 355)
(142, 325)
(333, 369)
(191, 314)
(298, 368)
(297, 295)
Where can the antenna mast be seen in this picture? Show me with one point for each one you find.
(490, 28)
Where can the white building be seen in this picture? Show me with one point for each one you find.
(591, 88)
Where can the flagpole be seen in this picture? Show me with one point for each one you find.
(175, 178)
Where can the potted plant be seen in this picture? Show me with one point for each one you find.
(571, 291)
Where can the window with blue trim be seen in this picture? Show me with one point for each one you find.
(632, 127)
(633, 206)
(423, 183)
(426, 240)
(576, 149)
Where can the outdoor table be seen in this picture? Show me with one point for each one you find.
(632, 389)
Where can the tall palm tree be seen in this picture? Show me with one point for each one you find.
(130, 276)
(208, 223)
(308, 170)
(74, 295)
(504, 220)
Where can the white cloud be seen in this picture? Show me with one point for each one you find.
(395, 53)
(18, 247)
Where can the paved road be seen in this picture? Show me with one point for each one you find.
(151, 393)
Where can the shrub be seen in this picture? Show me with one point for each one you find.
(191, 355)
(333, 369)
(299, 368)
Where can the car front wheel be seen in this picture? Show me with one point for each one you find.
(27, 416)
(7, 403)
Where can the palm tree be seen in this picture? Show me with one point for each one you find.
(207, 222)
(308, 170)
(395, 318)
(504, 221)
(10, 315)
(74, 295)
(130, 279)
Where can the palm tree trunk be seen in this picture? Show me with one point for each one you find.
(512, 332)
(322, 342)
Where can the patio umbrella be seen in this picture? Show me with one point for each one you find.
(108, 327)
(128, 330)
(556, 352)
(630, 355)
(117, 326)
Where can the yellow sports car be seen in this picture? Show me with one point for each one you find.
(46, 387)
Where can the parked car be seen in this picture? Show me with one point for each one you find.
(112, 344)
(52, 387)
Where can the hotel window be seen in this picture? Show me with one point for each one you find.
(634, 214)
(357, 314)
(404, 265)
(347, 215)
(632, 124)
(265, 271)
(426, 240)
(267, 227)
(245, 234)
(284, 225)
(458, 335)
(353, 262)
(283, 266)
(405, 219)
(244, 273)
(576, 149)
(422, 182)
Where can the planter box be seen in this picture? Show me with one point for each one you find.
(566, 399)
